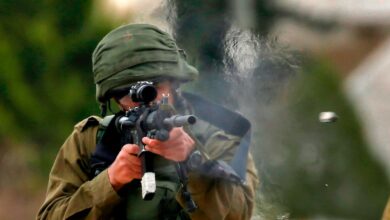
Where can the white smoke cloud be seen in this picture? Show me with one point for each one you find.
(161, 13)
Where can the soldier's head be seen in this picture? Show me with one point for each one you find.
(137, 52)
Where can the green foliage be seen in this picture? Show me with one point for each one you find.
(46, 80)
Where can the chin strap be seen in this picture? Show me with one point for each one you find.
(103, 109)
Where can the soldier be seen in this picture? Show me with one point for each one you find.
(96, 175)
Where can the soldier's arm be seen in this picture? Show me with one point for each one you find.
(219, 199)
(70, 193)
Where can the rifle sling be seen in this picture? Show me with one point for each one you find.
(221, 117)
(229, 121)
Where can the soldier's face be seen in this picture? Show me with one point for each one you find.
(163, 88)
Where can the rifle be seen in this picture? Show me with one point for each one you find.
(153, 120)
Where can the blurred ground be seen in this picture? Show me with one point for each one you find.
(19, 204)
(21, 192)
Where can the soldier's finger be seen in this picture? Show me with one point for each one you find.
(136, 169)
(137, 175)
(175, 133)
(135, 162)
(156, 150)
(131, 149)
(151, 142)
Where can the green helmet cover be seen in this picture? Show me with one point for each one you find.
(137, 52)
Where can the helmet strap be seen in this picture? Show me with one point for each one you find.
(109, 106)
(103, 109)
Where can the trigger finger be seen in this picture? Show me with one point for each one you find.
(152, 149)
(150, 142)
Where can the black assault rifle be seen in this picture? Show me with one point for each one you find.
(153, 120)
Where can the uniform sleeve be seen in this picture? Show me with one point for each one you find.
(70, 193)
(218, 199)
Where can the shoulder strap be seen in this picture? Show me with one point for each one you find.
(229, 121)
(103, 126)
(107, 146)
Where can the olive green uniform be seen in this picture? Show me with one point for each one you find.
(72, 195)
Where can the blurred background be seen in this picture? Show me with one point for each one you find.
(281, 63)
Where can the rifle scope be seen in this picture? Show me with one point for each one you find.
(143, 91)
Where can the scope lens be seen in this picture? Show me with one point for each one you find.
(147, 93)
(143, 92)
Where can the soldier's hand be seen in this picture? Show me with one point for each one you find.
(126, 167)
(176, 148)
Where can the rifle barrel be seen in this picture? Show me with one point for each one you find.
(180, 120)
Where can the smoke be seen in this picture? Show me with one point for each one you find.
(258, 70)
(162, 14)
(242, 46)
(242, 52)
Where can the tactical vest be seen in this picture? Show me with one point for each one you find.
(164, 204)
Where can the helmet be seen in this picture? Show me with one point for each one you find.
(137, 52)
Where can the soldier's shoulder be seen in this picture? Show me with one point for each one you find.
(91, 121)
